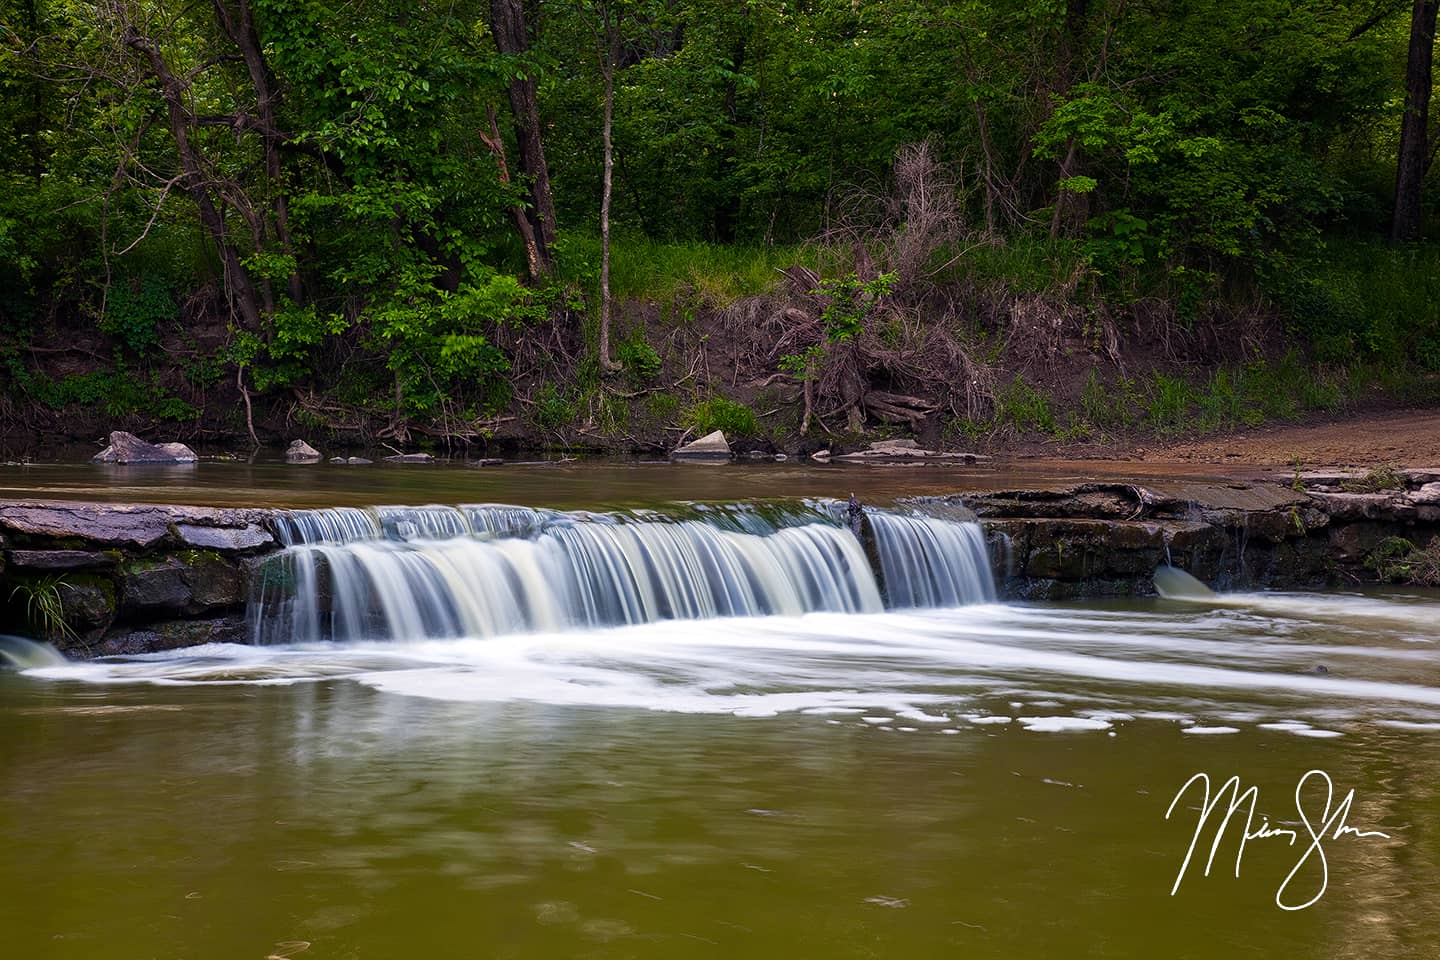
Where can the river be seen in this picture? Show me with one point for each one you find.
(932, 775)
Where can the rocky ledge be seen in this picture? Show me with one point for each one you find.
(130, 578)
(1105, 539)
(134, 578)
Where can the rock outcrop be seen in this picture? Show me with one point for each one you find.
(128, 448)
(1104, 539)
(137, 577)
(146, 574)
(712, 446)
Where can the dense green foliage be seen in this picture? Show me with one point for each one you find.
(301, 200)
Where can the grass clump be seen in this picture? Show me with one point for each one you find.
(43, 606)
(645, 269)
(552, 409)
(1397, 560)
(718, 413)
(1381, 478)
(638, 359)
(1021, 406)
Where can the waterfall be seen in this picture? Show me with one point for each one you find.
(931, 562)
(396, 573)
(20, 653)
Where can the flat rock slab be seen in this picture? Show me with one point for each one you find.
(236, 539)
(907, 451)
(112, 525)
(131, 525)
(1178, 499)
(1225, 496)
(410, 458)
(59, 560)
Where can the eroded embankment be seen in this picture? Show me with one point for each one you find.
(111, 578)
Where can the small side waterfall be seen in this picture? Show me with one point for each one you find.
(395, 573)
(20, 653)
(930, 562)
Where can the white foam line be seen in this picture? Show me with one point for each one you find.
(1062, 724)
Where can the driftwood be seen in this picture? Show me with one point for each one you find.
(897, 408)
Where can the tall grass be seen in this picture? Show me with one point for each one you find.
(644, 269)
(1369, 300)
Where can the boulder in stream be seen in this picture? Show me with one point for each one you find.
(128, 448)
(712, 446)
(301, 452)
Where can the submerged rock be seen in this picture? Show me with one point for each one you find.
(410, 458)
(907, 451)
(172, 634)
(301, 452)
(712, 446)
(128, 448)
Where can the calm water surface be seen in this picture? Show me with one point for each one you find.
(988, 781)
(582, 483)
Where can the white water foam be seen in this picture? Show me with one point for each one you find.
(894, 668)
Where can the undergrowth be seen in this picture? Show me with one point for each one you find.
(1397, 560)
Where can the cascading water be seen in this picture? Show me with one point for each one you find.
(394, 573)
(931, 562)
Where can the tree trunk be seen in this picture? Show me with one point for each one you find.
(195, 181)
(240, 28)
(610, 56)
(1070, 207)
(727, 212)
(523, 227)
(1413, 155)
(511, 39)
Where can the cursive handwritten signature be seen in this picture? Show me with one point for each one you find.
(1330, 825)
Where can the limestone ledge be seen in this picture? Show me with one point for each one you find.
(132, 577)
(139, 577)
(1105, 539)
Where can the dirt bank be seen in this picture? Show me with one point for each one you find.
(1408, 437)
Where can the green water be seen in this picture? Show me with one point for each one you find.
(400, 805)
(581, 483)
(986, 781)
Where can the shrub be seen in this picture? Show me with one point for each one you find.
(718, 413)
(1397, 560)
(1023, 407)
(641, 362)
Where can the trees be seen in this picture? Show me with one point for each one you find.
(345, 193)
(1415, 151)
(512, 40)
